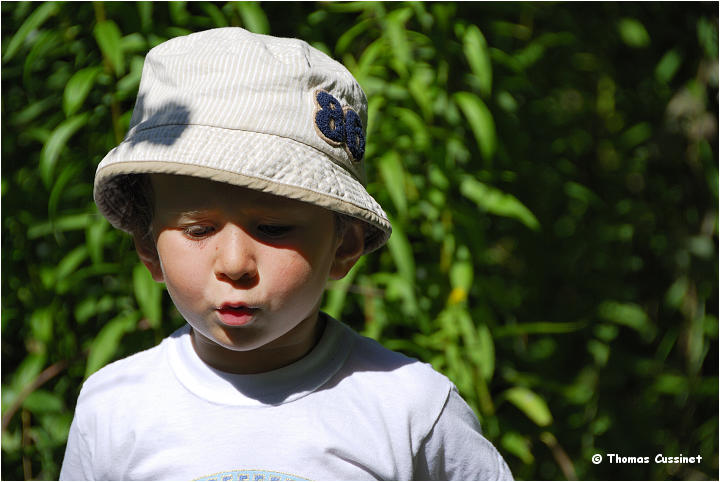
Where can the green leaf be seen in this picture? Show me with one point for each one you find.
(11, 441)
(628, 314)
(397, 40)
(215, 14)
(481, 122)
(95, 238)
(337, 291)
(148, 294)
(476, 339)
(173, 31)
(27, 372)
(253, 17)
(497, 202)
(368, 60)
(178, 13)
(402, 253)
(531, 404)
(68, 174)
(106, 342)
(70, 262)
(461, 271)
(8, 396)
(677, 292)
(506, 101)
(109, 39)
(70, 222)
(401, 285)
(145, 11)
(477, 54)
(450, 329)
(417, 127)
(78, 88)
(133, 43)
(393, 175)
(540, 327)
(707, 35)
(348, 37)
(633, 33)
(377, 317)
(47, 44)
(671, 384)
(535, 50)
(33, 22)
(583, 389)
(57, 427)
(398, 288)
(128, 85)
(517, 445)
(528, 56)
(41, 322)
(421, 88)
(56, 143)
(42, 401)
(600, 352)
(701, 246)
(457, 368)
(668, 65)
(582, 193)
(636, 135)
(91, 306)
(370, 7)
(486, 349)
(33, 110)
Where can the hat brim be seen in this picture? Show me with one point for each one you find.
(259, 161)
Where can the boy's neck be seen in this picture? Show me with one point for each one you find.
(281, 352)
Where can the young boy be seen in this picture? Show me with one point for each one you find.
(241, 181)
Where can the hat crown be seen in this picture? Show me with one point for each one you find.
(270, 114)
(234, 79)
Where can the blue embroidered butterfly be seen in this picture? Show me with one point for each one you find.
(339, 125)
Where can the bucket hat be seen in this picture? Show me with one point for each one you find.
(267, 113)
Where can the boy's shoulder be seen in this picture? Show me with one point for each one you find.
(370, 356)
(375, 368)
(126, 375)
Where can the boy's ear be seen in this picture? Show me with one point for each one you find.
(147, 252)
(349, 250)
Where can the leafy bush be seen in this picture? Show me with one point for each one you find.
(550, 170)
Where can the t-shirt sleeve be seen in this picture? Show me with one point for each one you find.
(77, 463)
(456, 450)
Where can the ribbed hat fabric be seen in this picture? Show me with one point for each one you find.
(262, 112)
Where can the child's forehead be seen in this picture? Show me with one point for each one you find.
(186, 193)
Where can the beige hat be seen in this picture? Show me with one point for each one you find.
(267, 113)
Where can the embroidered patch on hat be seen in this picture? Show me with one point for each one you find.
(354, 134)
(339, 126)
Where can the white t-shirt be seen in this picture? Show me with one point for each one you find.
(349, 410)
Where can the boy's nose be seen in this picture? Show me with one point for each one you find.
(235, 254)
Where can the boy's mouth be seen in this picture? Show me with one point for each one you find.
(236, 315)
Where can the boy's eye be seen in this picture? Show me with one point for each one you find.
(274, 231)
(198, 231)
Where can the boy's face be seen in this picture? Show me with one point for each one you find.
(246, 269)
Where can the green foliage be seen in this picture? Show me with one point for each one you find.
(551, 174)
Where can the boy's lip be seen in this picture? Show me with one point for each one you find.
(236, 314)
(230, 305)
